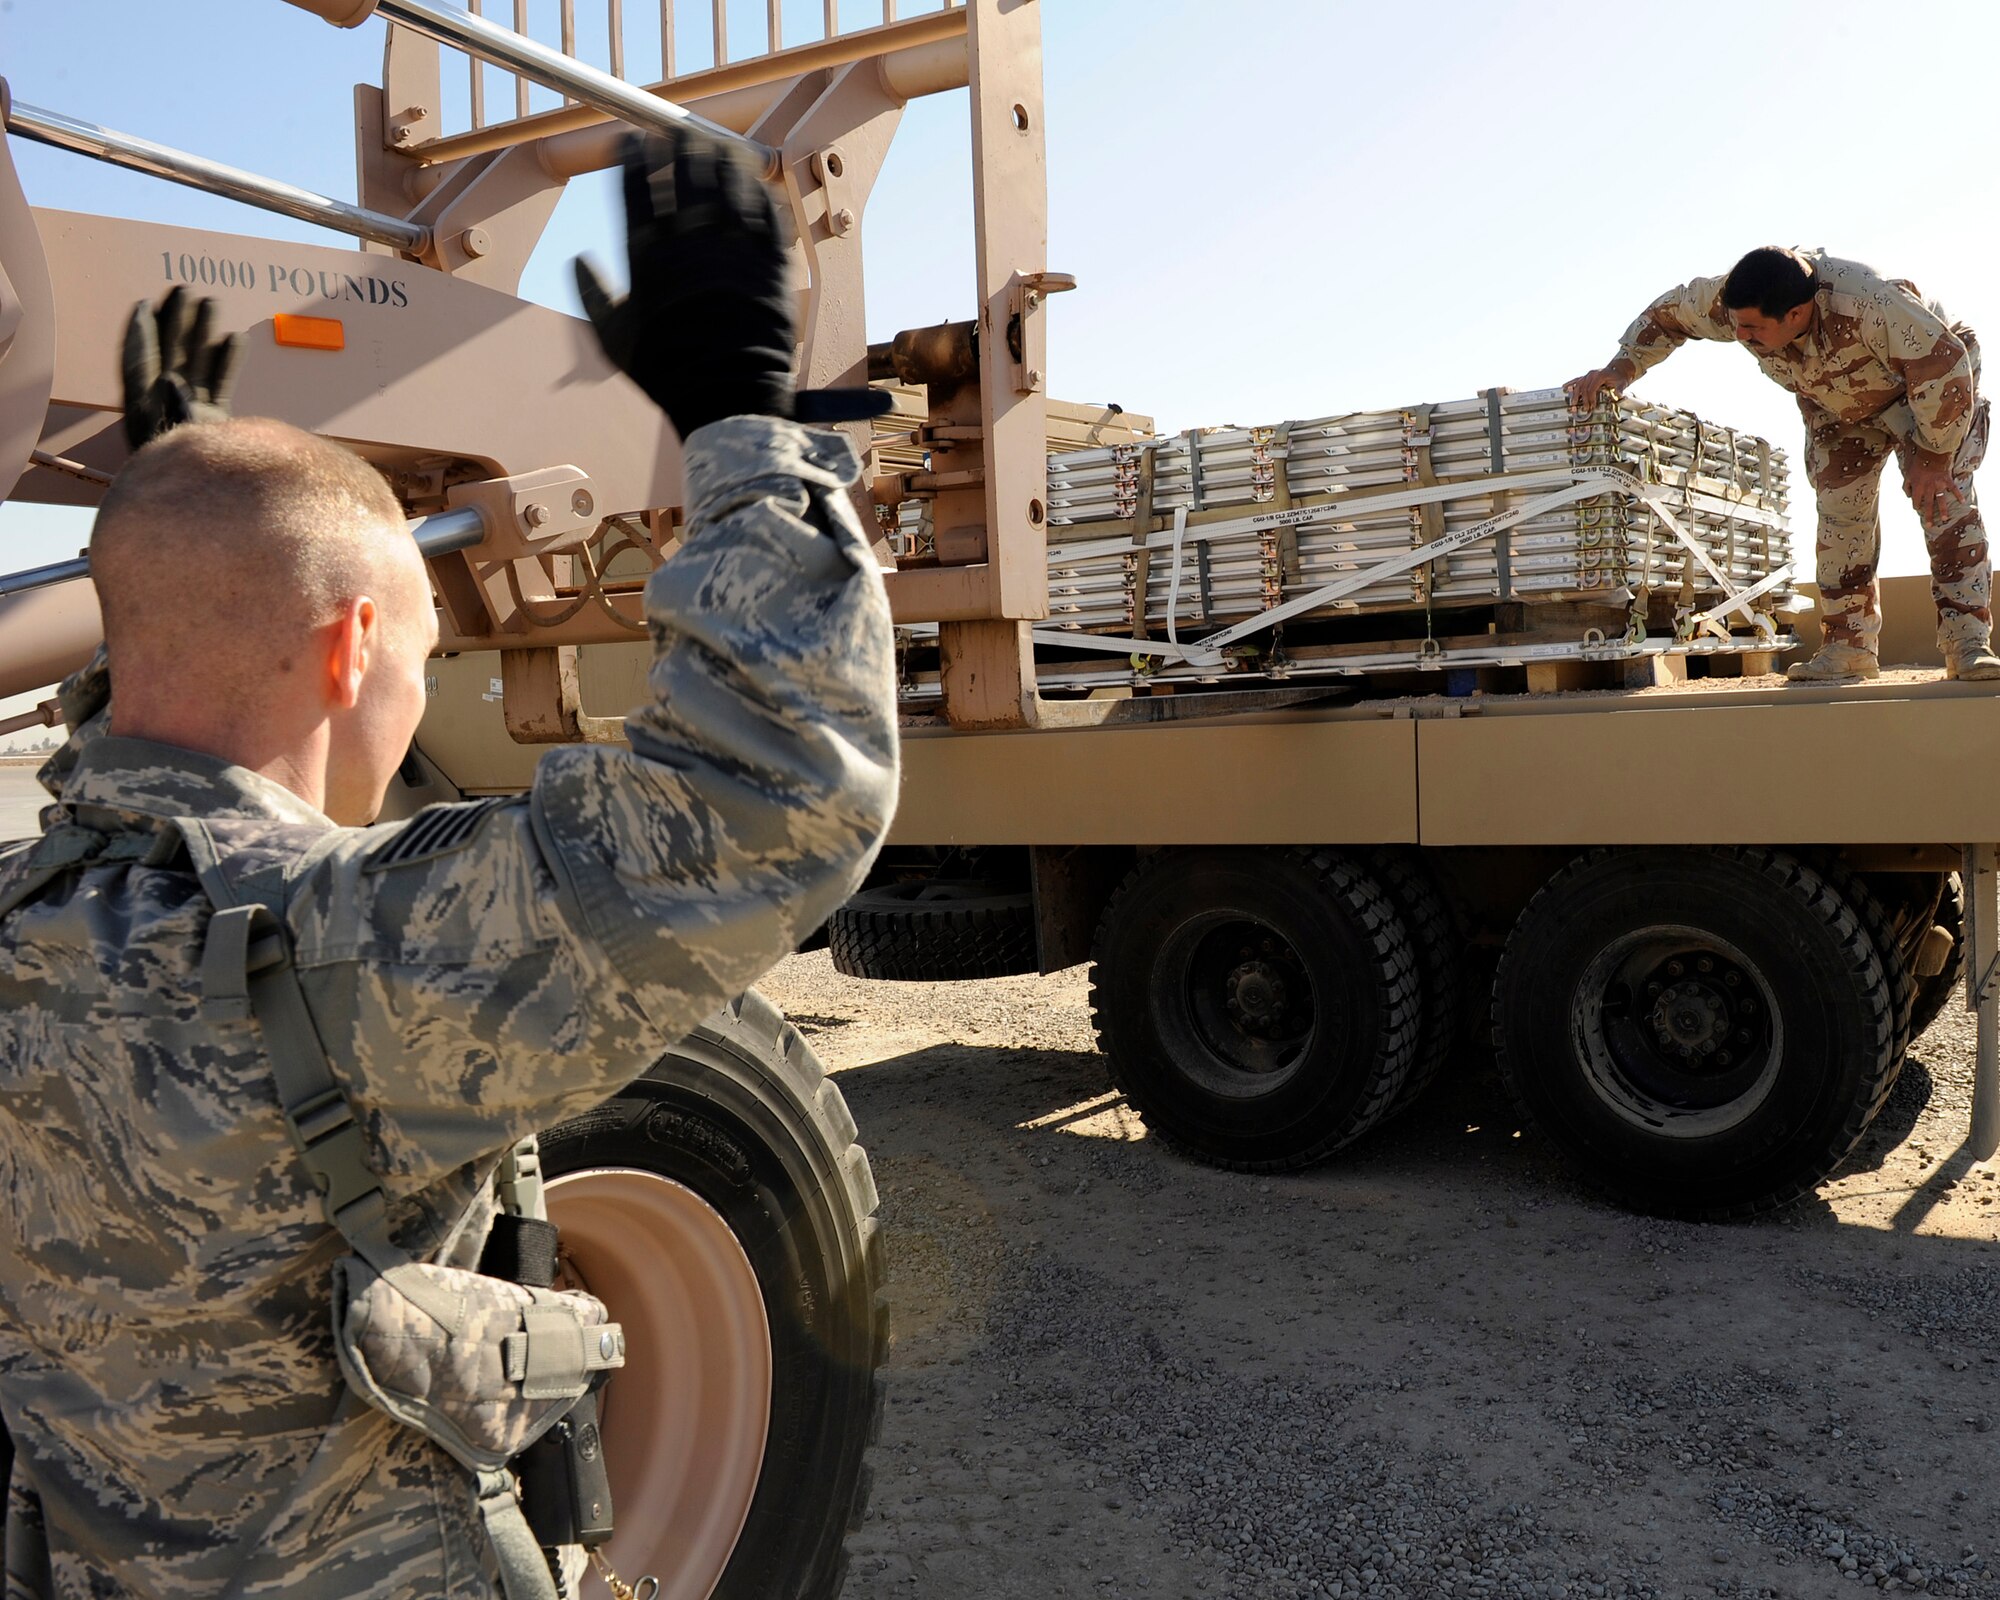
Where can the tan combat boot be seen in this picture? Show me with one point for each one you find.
(1835, 663)
(1971, 659)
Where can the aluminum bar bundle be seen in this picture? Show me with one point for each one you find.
(1180, 549)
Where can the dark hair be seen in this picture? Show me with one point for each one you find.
(1775, 281)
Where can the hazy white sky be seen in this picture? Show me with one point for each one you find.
(1275, 208)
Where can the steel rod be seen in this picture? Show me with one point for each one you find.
(478, 82)
(520, 82)
(442, 532)
(554, 70)
(197, 172)
(438, 534)
(42, 577)
(45, 715)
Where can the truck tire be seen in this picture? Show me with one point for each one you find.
(934, 930)
(723, 1211)
(1874, 912)
(1439, 956)
(1936, 992)
(1259, 1007)
(1701, 1032)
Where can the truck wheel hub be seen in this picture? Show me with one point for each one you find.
(1257, 996)
(1690, 1019)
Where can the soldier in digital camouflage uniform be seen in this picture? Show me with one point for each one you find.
(1878, 371)
(479, 972)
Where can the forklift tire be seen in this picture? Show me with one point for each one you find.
(1703, 1033)
(934, 930)
(1440, 956)
(723, 1211)
(1259, 1007)
(1937, 991)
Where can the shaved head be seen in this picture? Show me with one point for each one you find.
(264, 601)
(223, 545)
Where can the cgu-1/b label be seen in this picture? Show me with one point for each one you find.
(275, 277)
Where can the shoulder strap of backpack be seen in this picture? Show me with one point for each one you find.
(247, 971)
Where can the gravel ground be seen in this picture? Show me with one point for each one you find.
(1434, 1367)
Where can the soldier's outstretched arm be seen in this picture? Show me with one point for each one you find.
(1692, 310)
(484, 970)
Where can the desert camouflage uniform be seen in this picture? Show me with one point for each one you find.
(478, 972)
(1880, 370)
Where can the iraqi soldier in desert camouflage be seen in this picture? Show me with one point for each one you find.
(1878, 371)
(481, 971)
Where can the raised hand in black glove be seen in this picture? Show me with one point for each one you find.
(173, 374)
(708, 328)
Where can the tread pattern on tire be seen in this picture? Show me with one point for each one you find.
(1343, 880)
(1902, 984)
(930, 942)
(751, 1025)
(1817, 894)
(806, 1076)
(1434, 942)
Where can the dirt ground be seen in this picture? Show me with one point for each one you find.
(1436, 1366)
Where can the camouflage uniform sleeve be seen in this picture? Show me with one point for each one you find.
(763, 773)
(1919, 347)
(486, 969)
(1693, 310)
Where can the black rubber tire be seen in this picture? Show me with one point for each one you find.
(1440, 957)
(934, 930)
(1823, 1029)
(741, 1113)
(1874, 914)
(1324, 928)
(1937, 991)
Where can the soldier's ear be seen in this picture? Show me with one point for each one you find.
(348, 647)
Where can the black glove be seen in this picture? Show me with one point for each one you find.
(708, 329)
(172, 373)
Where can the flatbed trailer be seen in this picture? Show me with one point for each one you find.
(1010, 849)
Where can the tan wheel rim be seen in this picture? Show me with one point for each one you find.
(685, 1420)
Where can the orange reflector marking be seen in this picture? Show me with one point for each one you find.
(309, 333)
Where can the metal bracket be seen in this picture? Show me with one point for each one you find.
(829, 166)
(531, 513)
(1027, 330)
(1983, 990)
